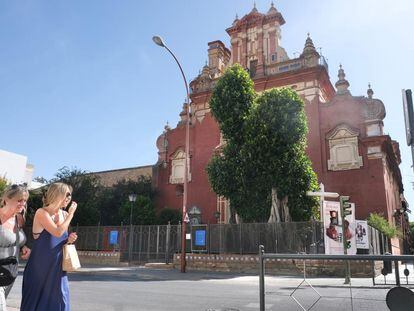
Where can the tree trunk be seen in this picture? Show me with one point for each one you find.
(285, 209)
(279, 211)
(274, 212)
(232, 219)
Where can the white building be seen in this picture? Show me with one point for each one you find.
(15, 169)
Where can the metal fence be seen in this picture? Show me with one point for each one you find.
(158, 243)
(244, 238)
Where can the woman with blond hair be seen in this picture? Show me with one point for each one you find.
(12, 238)
(45, 284)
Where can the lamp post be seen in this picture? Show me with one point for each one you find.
(132, 198)
(158, 41)
(217, 216)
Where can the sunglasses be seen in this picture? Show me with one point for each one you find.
(16, 186)
(68, 195)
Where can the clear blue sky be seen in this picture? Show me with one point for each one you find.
(82, 84)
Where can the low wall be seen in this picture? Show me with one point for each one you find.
(294, 267)
(100, 258)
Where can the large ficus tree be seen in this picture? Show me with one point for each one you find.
(262, 168)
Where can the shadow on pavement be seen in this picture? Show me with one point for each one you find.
(141, 274)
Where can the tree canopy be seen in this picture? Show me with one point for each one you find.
(99, 204)
(262, 167)
(114, 204)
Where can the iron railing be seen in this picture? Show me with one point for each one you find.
(160, 242)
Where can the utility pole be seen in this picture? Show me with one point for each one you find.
(409, 120)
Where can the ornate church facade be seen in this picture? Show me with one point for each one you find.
(347, 146)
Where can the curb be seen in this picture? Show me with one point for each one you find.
(155, 265)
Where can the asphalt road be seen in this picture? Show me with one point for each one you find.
(146, 289)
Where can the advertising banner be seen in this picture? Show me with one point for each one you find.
(333, 229)
(199, 238)
(361, 234)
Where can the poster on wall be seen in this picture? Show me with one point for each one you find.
(333, 229)
(361, 234)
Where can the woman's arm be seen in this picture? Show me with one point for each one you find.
(50, 226)
(72, 236)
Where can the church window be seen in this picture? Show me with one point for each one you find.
(253, 65)
(273, 57)
(343, 149)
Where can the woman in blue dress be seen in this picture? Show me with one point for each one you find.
(45, 284)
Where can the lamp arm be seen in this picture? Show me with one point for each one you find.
(182, 73)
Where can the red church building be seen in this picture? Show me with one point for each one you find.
(346, 143)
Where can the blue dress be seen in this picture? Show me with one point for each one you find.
(45, 284)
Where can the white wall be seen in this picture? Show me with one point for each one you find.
(14, 168)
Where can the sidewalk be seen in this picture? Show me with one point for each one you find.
(156, 285)
(12, 304)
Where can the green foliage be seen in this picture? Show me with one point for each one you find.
(170, 215)
(3, 185)
(143, 212)
(107, 205)
(86, 192)
(33, 203)
(41, 180)
(231, 101)
(382, 225)
(265, 148)
(112, 198)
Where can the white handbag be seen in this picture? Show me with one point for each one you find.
(70, 258)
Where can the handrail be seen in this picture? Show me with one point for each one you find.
(263, 256)
(339, 257)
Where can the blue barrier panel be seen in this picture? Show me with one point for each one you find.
(200, 237)
(113, 237)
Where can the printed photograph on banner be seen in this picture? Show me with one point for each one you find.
(333, 229)
(361, 234)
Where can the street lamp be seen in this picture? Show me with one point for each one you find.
(217, 216)
(158, 41)
(132, 198)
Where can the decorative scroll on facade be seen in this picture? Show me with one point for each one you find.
(343, 149)
(178, 168)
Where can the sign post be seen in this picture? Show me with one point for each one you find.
(322, 194)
